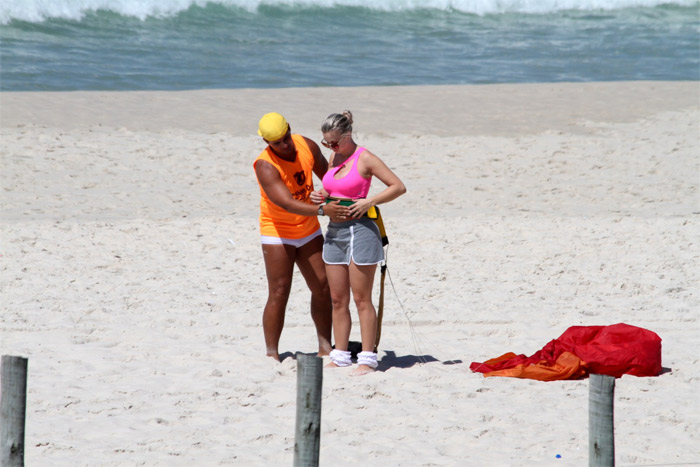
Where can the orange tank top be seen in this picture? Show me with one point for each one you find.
(298, 177)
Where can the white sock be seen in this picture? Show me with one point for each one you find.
(367, 358)
(341, 357)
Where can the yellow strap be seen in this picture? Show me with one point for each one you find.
(380, 223)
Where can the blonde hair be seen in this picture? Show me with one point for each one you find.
(338, 122)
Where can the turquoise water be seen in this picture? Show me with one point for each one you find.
(63, 45)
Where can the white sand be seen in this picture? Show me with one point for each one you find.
(132, 276)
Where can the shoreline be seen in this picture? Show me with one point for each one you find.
(444, 110)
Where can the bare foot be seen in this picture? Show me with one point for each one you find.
(331, 365)
(361, 370)
(274, 355)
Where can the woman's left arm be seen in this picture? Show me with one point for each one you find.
(371, 165)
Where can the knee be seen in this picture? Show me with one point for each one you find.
(363, 303)
(321, 293)
(279, 291)
(340, 301)
(323, 289)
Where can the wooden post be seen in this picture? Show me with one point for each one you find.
(13, 405)
(601, 435)
(308, 425)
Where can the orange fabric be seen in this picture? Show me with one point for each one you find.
(298, 177)
(607, 350)
(566, 366)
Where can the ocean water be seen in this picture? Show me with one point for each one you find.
(64, 45)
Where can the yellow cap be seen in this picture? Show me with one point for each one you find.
(272, 126)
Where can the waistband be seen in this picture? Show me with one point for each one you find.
(371, 212)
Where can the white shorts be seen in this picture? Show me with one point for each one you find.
(295, 242)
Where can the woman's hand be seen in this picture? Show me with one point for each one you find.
(318, 196)
(359, 208)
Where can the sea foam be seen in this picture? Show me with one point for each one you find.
(38, 10)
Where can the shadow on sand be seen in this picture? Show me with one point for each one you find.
(391, 360)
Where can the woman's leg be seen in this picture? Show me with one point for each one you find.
(361, 280)
(339, 283)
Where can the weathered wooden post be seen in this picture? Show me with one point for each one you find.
(307, 436)
(13, 405)
(601, 434)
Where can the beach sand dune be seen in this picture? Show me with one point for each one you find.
(132, 277)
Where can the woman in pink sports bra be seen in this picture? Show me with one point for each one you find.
(352, 246)
(352, 185)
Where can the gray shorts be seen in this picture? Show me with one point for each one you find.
(357, 240)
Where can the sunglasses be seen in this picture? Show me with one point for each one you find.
(334, 144)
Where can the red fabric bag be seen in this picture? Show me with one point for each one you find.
(607, 350)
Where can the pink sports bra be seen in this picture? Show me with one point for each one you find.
(352, 185)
